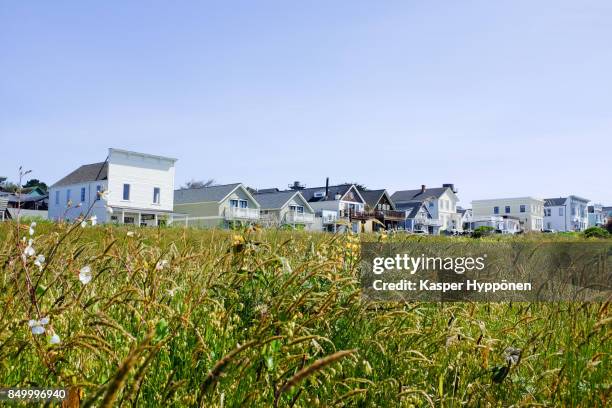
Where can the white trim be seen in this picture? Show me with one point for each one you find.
(132, 153)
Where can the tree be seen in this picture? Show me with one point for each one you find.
(199, 183)
(7, 185)
(360, 187)
(609, 225)
(36, 183)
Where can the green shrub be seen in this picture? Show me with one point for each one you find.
(482, 231)
(596, 232)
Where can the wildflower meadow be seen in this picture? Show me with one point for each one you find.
(184, 317)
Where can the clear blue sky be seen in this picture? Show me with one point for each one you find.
(502, 98)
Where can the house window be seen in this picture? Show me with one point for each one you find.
(126, 192)
(82, 194)
(57, 193)
(561, 211)
(296, 208)
(431, 204)
(523, 208)
(156, 195)
(573, 210)
(98, 191)
(234, 203)
(244, 204)
(496, 210)
(507, 209)
(67, 195)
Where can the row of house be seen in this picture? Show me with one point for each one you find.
(32, 202)
(136, 188)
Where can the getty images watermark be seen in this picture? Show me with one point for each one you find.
(487, 271)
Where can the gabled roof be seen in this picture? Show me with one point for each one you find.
(372, 197)
(412, 208)
(342, 189)
(277, 200)
(552, 202)
(84, 174)
(418, 195)
(204, 194)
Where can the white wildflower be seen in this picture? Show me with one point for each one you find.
(55, 339)
(85, 275)
(130, 233)
(103, 194)
(83, 224)
(172, 292)
(286, 266)
(32, 226)
(37, 326)
(161, 264)
(94, 220)
(29, 250)
(39, 261)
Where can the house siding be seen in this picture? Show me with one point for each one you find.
(532, 219)
(143, 173)
(61, 211)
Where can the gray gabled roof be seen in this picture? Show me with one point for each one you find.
(342, 189)
(276, 200)
(84, 174)
(412, 208)
(203, 194)
(418, 195)
(372, 197)
(552, 202)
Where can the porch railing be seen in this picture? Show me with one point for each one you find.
(234, 213)
(299, 218)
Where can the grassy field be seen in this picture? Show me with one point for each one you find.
(176, 317)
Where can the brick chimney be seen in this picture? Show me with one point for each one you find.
(423, 187)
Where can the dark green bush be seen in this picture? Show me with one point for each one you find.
(596, 232)
(482, 231)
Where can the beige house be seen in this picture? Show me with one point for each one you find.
(220, 206)
(279, 208)
(528, 210)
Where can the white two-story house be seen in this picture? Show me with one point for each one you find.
(127, 188)
(441, 204)
(528, 210)
(566, 213)
(597, 216)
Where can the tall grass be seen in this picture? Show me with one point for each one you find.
(182, 317)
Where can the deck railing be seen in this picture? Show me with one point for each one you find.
(235, 213)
